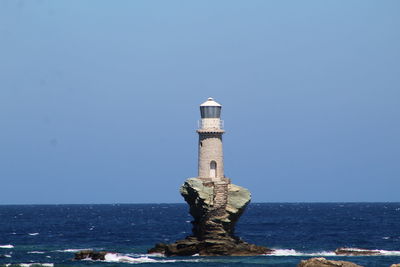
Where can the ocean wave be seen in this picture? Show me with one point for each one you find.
(121, 258)
(72, 250)
(111, 257)
(33, 264)
(6, 246)
(292, 252)
(371, 252)
(390, 252)
(152, 255)
(36, 252)
(33, 234)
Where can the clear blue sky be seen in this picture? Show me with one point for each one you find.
(99, 99)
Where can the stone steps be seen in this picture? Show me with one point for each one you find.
(220, 195)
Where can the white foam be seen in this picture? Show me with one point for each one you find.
(72, 250)
(285, 252)
(30, 264)
(7, 256)
(33, 234)
(128, 258)
(6, 246)
(112, 257)
(390, 252)
(152, 255)
(361, 250)
(36, 252)
(379, 252)
(292, 252)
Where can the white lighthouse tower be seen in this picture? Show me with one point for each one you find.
(211, 159)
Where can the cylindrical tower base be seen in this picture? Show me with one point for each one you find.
(211, 163)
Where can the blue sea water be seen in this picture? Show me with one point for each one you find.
(50, 234)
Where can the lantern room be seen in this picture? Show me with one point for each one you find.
(210, 109)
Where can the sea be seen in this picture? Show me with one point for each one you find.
(49, 235)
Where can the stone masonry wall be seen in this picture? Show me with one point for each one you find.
(210, 148)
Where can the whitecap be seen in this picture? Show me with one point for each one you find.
(6, 246)
(36, 252)
(112, 257)
(72, 250)
(285, 252)
(30, 264)
(292, 252)
(386, 237)
(7, 256)
(390, 252)
(33, 234)
(372, 252)
(144, 258)
(152, 255)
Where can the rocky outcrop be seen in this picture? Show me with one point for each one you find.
(216, 206)
(322, 262)
(357, 252)
(395, 265)
(90, 254)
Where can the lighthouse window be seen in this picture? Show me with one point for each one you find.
(213, 169)
(201, 143)
(210, 112)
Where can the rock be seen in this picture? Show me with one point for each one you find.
(200, 197)
(215, 206)
(322, 262)
(357, 252)
(395, 265)
(90, 254)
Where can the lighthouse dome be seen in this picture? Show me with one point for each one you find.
(210, 109)
(210, 103)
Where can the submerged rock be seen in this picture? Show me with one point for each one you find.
(357, 252)
(322, 262)
(216, 207)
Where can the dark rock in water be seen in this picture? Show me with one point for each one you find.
(90, 254)
(322, 262)
(357, 252)
(216, 207)
(209, 247)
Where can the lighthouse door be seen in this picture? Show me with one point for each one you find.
(213, 169)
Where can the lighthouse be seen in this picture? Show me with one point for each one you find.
(211, 158)
(215, 203)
